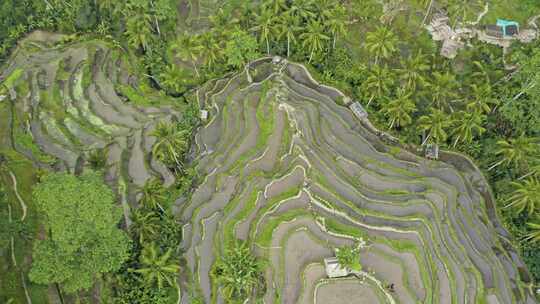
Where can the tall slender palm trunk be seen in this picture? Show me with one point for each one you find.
(496, 164)
(59, 291)
(195, 67)
(288, 46)
(155, 20)
(48, 4)
(426, 139)
(370, 100)
(527, 175)
(457, 140)
(427, 12)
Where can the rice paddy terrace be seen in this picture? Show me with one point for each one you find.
(284, 167)
(295, 174)
(66, 104)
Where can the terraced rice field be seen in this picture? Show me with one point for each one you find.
(285, 168)
(66, 106)
(294, 174)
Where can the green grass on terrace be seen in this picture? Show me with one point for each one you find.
(264, 238)
(229, 228)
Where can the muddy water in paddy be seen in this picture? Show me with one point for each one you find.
(71, 108)
(347, 174)
(308, 160)
(347, 292)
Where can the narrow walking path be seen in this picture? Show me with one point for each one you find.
(12, 239)
(19, 198)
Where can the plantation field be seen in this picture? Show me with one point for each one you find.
(295, 175)
(269, 151)
(64, 104)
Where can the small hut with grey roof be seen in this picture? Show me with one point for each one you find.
(334, 269)
(358, 110)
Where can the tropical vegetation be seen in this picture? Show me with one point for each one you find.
(84, 240)
(239, 274)
(471, 104)
(349, 257)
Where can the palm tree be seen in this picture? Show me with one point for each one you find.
(275, 6)
(288, 27)
(137, 5)
(156, 268)
(469, 125)
(412, 69)
(245, 9)
(162, 11)
(399, 110)
(238, 272)
(153, 194)
(189, 48)
(138, 31)
(516, 152)
(435, 123)
(265, 24)
(313, 38)
(145, 225)
(303, 9)
(462, 9)
(111, 6)
(211, 50)
(323, 7)
(97, 159)
(106, 4)
(336, 22)
(382, 43)
(175, 79)
(378, 83)
(427, 4)
(444, 90)
(482, 100)
(222, 18)
(534, 169)
(534, 235)
(171, 143)
(525, 196)
(366, 11)
(481, 71)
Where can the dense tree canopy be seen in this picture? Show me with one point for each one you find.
(471, 104)
(522, 105)
(240, 48)
(238, 273)
(83, 241)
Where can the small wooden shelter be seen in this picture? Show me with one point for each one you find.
(204, 115)
(334, 269)
(358, 110)
(503, 29)
(509, 28)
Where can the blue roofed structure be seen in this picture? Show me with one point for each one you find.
(509, 28)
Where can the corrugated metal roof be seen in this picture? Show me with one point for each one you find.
(358, 110)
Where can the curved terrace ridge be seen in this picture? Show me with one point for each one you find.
(287, 167)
